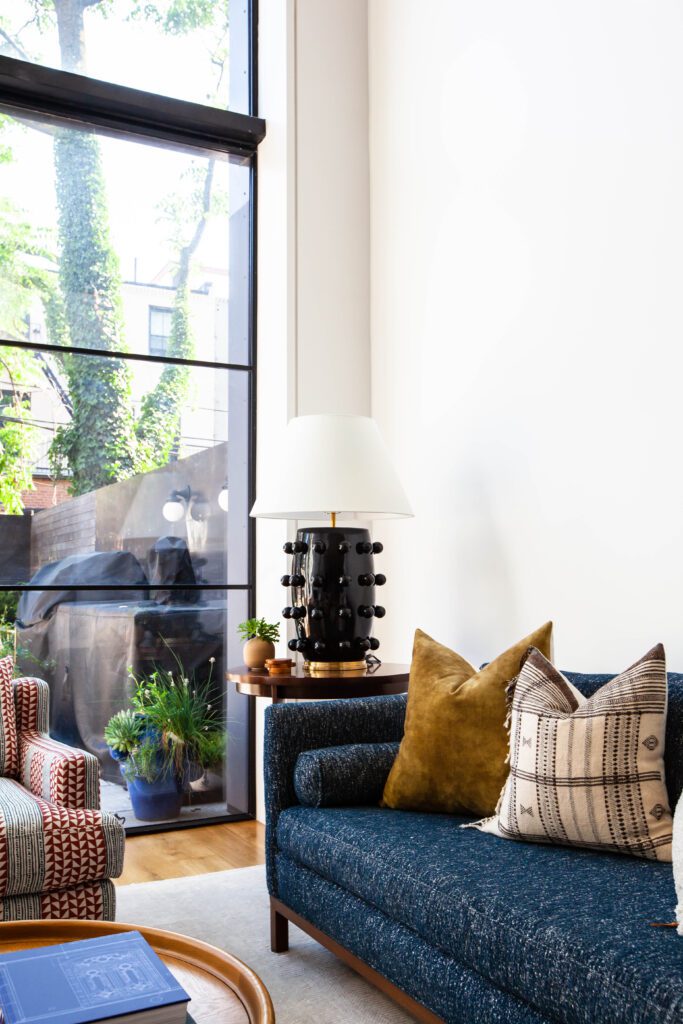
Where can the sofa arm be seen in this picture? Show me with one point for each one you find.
(291, 729)
(63, 775)
(32, 703)
(344, 776)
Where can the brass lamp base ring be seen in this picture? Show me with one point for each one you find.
(333, 668)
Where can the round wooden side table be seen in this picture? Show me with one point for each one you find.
(375, 681)
(223, 990)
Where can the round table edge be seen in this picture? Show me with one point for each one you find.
(254, 995)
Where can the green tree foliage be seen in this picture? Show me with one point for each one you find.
(158, 426)
(98, 445)
(21, 275)
(102, 442)
(178, 16)
(15, 462)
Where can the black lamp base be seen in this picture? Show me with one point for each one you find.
(332, 585)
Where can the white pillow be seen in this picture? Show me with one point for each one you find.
(677, 855)
(589, 771)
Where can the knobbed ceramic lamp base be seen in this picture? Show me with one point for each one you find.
(332, 587)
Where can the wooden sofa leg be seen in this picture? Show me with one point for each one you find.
(279, 932)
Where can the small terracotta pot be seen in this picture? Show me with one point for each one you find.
(256, 651)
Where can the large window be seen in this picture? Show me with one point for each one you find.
(194, 50)
(126, 383)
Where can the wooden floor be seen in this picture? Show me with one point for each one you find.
(192, 851)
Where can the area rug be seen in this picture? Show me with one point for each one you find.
(308, 985)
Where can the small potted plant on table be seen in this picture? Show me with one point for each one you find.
(260, 637)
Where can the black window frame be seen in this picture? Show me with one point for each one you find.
(77, 101)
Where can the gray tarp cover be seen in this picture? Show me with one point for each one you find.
(84, 644)
(76, 571)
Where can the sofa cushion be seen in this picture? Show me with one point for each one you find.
(566, 930)
(354, 773)
(45, 847)
(8, 719)
(453, 756)
(440, 982)
(588, 771)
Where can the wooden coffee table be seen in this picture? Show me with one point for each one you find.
(223, 989)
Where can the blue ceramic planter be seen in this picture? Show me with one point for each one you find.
(155, 801)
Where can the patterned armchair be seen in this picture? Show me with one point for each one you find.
(58, 851)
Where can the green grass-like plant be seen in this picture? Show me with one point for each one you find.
(180, 710)
(145, 763)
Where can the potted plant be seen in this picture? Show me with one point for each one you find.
(181, 712)
(156, 791)
(260, 637)
(171, 736)
(122, 733)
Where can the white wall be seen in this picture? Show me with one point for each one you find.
(526, 226)
(332, 207)
(313, 244)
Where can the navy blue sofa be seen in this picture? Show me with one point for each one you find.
(456, 925)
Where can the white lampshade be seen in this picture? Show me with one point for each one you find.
(332, 464)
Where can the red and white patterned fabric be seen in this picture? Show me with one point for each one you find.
(32, 703)
(58, 773)
(45, 847)
(58, 851)
(8, 721)
(94, 901)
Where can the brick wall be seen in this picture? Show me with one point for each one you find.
(46, 494)
(66, 529)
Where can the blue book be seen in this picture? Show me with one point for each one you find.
(116, 978)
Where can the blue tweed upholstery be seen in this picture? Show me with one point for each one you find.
(474, 927)
(292, 728)
(525, 917)
(348, 775)
(456, 993)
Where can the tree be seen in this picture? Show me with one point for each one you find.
(102, 442)
(158, 425)
(23, 252)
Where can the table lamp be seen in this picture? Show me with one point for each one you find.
(344, 471)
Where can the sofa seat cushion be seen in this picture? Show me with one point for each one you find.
(45, 847)
(565, 930)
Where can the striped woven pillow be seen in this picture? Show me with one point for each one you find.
(588, 771)
(9, 751)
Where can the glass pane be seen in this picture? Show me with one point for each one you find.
(194, 51)
(117, 245)
(123, 473)
(127, 642)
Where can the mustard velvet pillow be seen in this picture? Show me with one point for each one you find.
(453, 755)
